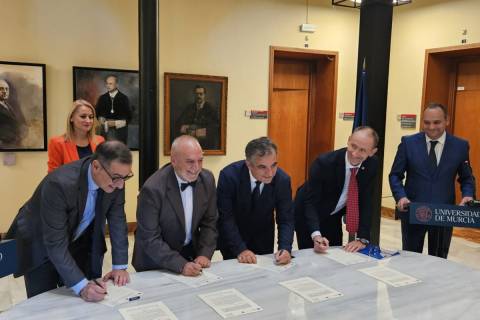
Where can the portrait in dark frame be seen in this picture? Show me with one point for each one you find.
(115, 95)
(196, 105)
(23, 124)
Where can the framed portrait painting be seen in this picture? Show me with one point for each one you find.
(115, 95)
(23, 107)
(196, 105)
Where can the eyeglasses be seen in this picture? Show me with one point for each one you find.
(116, 179)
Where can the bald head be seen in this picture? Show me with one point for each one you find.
(4, 90)
(361, 145)
(186, 157)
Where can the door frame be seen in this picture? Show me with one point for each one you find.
(322, 97)
(439, 85)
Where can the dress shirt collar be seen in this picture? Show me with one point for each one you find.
(92, 186)
(200, 106)
(113, 93)
(180, 181)
(440, 140)
(253, 180)
(348, 165)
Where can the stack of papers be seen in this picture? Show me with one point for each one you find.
(346, 258)
(117, 295)
(269, 264)
(311, 289)
(149, 311)
(390, 276)
(201, 280)
(229, 303)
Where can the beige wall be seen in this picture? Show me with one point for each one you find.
(232, 38)
(216, 37)
(417, 27)
(62, 34)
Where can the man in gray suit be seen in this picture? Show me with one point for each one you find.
(177, 214)
(60, 230)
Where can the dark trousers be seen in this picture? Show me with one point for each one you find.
(330, 227)
(413, 237)
(45, 277)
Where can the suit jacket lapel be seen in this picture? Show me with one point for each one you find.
(82, 190)
(199, 194)
(245, 192)
(340, 172)
(422, 150)
(445, 153)
(173, 196)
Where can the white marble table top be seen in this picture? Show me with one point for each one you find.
(448, 291)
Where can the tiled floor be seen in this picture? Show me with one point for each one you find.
(12, 291)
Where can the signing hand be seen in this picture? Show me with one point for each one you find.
(93, 292)
(282, 257)
(192, 269)
(202, 261)
(320, 244)
(247, 256)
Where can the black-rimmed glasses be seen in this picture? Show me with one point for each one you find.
(116, 179)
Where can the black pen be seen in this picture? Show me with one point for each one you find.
(134, 298)
(98, 284)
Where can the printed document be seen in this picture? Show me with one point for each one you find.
(229, 303)
(346, 258)
(117, 295)
(311, 289)
(150, 311)
(390, 276)
(201, 280)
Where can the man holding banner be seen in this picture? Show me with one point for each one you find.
(431, 159)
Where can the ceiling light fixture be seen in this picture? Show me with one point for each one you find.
(358, 3)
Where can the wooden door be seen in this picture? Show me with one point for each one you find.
(288, 123)
(466, 122)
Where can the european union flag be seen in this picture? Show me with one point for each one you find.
(361, 104)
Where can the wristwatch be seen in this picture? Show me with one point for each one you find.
(363, 241)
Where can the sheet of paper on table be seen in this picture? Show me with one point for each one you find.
(269, 264)
(203, 279)
(229, 303)
(117, 295)
(390, 276)
(150, 311)
(311, 289)
(346, 258)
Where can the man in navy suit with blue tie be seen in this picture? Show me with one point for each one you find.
(431, 159)
(248, 193)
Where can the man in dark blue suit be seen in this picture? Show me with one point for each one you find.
(323, 200)
(248, 192)
(432, 159)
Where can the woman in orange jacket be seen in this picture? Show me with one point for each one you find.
(79, 140)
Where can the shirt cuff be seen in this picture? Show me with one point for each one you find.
(315, 233)
(79, 286)
(120, 267)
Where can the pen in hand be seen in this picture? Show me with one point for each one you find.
(98, 284)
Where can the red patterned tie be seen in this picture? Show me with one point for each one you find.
(352, 202)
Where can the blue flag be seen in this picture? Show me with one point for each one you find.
(361, 103)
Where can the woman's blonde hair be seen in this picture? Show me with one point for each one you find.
(70, 129)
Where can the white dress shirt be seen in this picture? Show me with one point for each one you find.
(187, 202)
(342, 201)
(438, 147)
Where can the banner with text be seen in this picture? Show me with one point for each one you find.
(444, 215)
